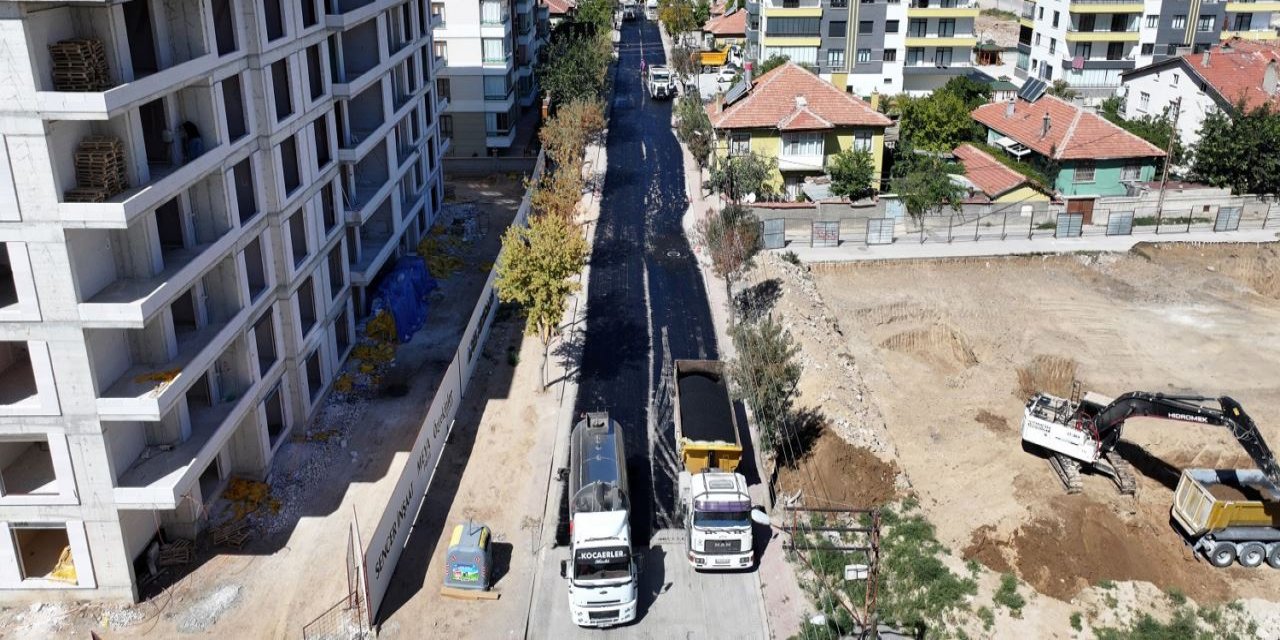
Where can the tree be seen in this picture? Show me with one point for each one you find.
(737, 177)
(1061, 89)
(924, 186)
(681, 62)
(1154, 129)
(973, 93)
(565, 135)
(694, 129)
(1240, 149)
(732, 239)
(559, 191)
(853, 174)
(575, 66)
(938, 122)
(678, 16)
(535, 271)
(597, 13)
(772, 63)
(765, 376)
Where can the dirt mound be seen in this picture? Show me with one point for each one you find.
(1051, 374)
(987, 548)
(992, 421)
(841, 474)
(1256, 266)
(936, 345)
(1085, 542)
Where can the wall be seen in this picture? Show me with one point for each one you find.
(1164, 87)
(1106, 178)
(1022, 194)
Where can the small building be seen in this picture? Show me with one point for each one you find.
(993, 180)
(799, 119)
(558, 10)
(1218, 78)
(1003, 90)
(725, 29)
(1082, 153)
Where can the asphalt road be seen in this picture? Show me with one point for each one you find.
(644, 283)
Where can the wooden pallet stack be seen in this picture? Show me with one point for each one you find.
(80, 64)
(100, 170)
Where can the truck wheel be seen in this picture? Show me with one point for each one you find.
(1273, 555)
(1222, 554)
(1252, 554)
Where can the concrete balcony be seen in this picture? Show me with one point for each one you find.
(942, 9)
(1253, 34)
(377, 242)
(806, 9)
(368, 139)
(801, 162)
(1102, 36)
(967, 41)
(162, 480)
(1104, 6)
(500, 139)
(1252, 6)
(501, 104)
(102, 105)
(929, 68)
(348, 13)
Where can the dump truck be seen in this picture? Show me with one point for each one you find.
(1229, 515)
(661, 83)
(714, 502)
(601, 569)
(708, 60)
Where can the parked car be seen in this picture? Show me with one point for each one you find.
(726, 77)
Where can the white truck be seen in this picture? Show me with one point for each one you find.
(601, 570)
(713, 497)
(661, 82)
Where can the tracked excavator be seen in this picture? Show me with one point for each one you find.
(1081, 432)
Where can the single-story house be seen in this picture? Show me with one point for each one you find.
(993, 181)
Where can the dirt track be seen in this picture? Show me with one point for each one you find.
(939, 346)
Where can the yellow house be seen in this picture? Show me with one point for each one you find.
(799, 119)
(995, 181)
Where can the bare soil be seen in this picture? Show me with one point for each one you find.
(1229, 492)
(948, 352)
(841, 475)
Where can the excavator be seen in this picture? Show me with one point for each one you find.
(1083, 432)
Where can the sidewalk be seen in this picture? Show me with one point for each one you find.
(910, 248)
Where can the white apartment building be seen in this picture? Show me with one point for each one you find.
(489, 48)
(166, 332)
(1090, 43)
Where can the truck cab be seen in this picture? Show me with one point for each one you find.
(661, 82)
(718, 517)
(601, 571)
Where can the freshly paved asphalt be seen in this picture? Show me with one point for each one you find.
(644, 281)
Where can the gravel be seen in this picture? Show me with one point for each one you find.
(206, 611)
(121, 618)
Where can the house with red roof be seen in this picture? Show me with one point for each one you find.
(558, 10)
(725, 29)
(994, 181)
(1219, 78)
(1083, 153)
(800, 120)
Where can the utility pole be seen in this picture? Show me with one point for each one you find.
(1168, 158)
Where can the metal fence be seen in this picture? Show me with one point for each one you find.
(1016, 222)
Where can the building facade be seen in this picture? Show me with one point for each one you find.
(195, 197)
(1089, 43)
(489, 48)
(911, 46)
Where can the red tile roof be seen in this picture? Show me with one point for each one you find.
(718, 7)
(1237, 70)
(782, 96)
(802, 119)
(986, 173)
(1074, 134)
(558, 7)
(729, 24)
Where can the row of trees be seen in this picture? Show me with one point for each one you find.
(579, 54)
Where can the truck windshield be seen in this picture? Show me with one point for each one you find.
(660, 77)
(721, 518)
(602, 564)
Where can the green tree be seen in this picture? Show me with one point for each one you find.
(765, 375)
(1240, 149)
(853, 174)
(535, 271)
(737, 177)
(597, 13)
(925, 187)
(682, 62)
(678, 16)
(694, 129)
(938, 122)
(1154, 129)
(576, 66)
(973, 93)
(1061, 89)
(731, 237)
(772, 63)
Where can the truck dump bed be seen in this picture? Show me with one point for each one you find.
(706, 427)
(1209, 500)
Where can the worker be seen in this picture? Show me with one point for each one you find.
(192, 144)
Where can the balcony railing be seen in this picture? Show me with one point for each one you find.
(943, 4)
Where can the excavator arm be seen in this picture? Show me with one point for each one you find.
(1109, 421)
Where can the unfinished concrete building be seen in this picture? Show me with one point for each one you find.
(194, 196)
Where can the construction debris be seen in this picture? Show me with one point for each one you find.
(232, 534)
(178, 552)
(248, 496)
(80, 64)
(100, 169)
(65, 570)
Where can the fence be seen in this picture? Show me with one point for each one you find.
(489, 165)
(1014, 221)
(348, 618)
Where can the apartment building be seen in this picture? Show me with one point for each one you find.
(1089, 43)
(895, 46)
(488, 49)
(194, 197)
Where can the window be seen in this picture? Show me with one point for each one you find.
(274, 18)
(802, 144)
(890, 55)
(314, 382)
(224, 27)
(237, 127)
(862, 140)
(306, 306)
(837, 29)
(1053, 45)
(497, 124)
(255, 269)
(280, 87)
(916, 27)
(442, 88)
(1131, 173)
(915, 56)
(835, 58)
(496, 87)
(246, 199)
(839, 4)
(890, 26)
(494, 50)
(739, 144)
(1153, 21)
(864, 55)
(1179, 22)
(866, 26)
(315, 72)
(289, 165)
(1056, 15)
(1172, 49)
(38, 549)
(264, 336)
(1041, 15)
(1243, 22)
(328, 210)
(27, 468)
(1144, 101)
(337, 278)
(1037, 39)
(490, 12)
(1148, 48)
(1205, 24)
(1087, 22)
(1084, 50)
(321, 130)
(308, 13)
(799, 27)
(298, 237)
(441, 50)
(947, 27)
(446, 126)
(942, 57)
(1084, 172)
(437, 11)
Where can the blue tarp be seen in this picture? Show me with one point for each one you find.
(403, 293)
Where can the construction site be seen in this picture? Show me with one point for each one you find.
(916, 374)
